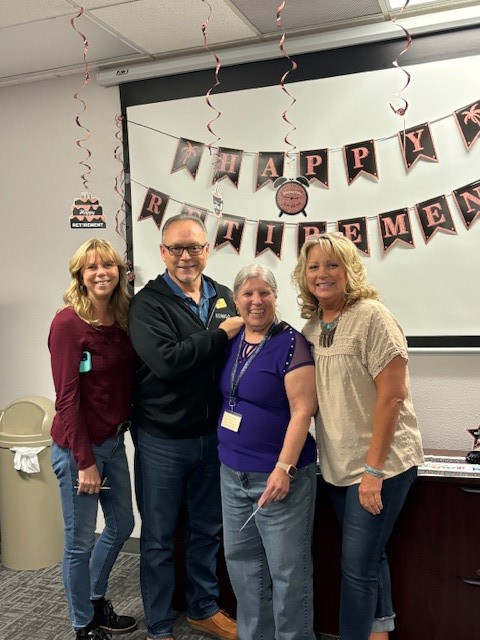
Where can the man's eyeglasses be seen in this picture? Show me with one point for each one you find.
(177, 249)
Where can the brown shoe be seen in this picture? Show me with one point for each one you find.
(219, 625)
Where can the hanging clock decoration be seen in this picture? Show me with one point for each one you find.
(291, 196)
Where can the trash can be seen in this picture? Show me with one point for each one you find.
(31, 524)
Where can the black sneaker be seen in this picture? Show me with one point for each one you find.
(108, 620)
(93, 634)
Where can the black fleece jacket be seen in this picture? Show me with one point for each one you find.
(175, 389)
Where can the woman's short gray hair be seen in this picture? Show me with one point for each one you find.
(255, 271)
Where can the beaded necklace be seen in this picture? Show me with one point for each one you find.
(328, 328)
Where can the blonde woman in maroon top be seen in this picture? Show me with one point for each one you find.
(92, 365)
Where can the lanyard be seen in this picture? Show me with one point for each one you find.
(234, 379)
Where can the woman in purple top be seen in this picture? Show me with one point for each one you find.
(92, 365)
(268, 466)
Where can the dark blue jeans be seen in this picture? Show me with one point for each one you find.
(366, 600)
(171, 474)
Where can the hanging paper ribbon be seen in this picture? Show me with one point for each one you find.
(86, 79)
(401, 111)
(294, 66)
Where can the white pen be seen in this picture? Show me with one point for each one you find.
(250, 517)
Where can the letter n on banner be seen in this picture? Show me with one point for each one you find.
(313, 165)
(269, 167)
(307, 229)
(434, 215)
(360, 157)
(356, 230)
(393, 226)
(269, 236)
(416, 143)
(154, 206)
(230, 230)
(468, 202)
(227, 165)
(193, 210)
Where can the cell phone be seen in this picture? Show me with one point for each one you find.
(85, 362)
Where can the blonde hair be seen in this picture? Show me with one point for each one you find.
(344, 250)
(76, 295)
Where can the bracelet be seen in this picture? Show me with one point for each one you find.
(376, 473)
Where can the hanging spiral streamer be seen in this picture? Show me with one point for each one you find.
(401, 111)
(86, 79)
(121, 226)
(294, 66)
(216, 195)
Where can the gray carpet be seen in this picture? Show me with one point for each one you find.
(33, 606)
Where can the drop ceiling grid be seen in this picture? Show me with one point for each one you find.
(173, 25)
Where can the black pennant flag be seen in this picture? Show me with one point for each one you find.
(269, 167)
(416, 143)
(434, 215)
(360, 157)
(468, 202)
(313, 165)
(468, 121)
(269, 236)
(230, 230)
(307, 229)
(227, 165)
(187, 156)
(356, 230)
(154, 206)
(192, 210)
(395, 226)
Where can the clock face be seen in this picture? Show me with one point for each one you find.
(291, 198)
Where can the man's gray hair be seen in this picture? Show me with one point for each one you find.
(179, 218)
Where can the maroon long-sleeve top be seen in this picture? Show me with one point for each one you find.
(89, 405)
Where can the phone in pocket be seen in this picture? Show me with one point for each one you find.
(85, 362)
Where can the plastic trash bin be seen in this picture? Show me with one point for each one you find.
(31, 524)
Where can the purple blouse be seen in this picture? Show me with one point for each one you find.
(262, 402)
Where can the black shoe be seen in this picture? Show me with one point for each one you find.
(92, 634)
(108, 620)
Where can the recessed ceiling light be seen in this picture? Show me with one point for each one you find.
(398, 4)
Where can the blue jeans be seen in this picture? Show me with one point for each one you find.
(86, 563)
(171, 474)
(270, 561)
(366, 599)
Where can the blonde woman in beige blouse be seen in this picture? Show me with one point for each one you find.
(367, 434)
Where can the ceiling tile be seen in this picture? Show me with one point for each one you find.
(21, 11)
(41, 43)
(304, 14)
(174, 25)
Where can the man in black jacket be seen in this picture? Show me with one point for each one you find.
(180, 324)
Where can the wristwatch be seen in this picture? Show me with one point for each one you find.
(289, 469)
